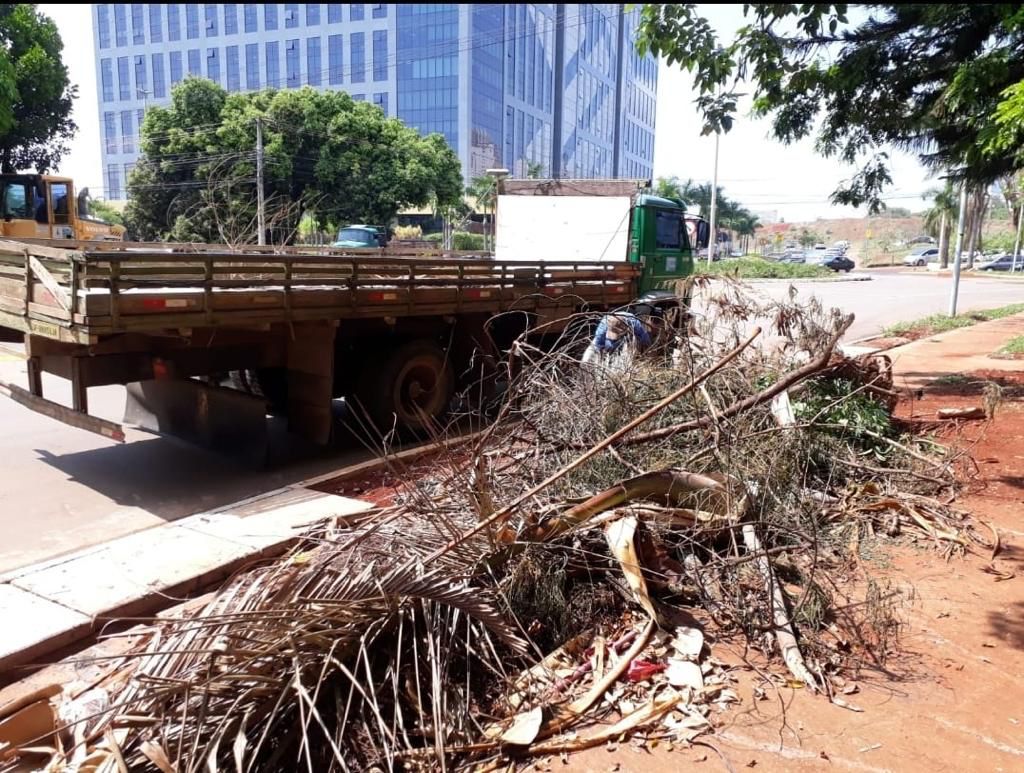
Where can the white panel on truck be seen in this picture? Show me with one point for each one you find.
(533, 228)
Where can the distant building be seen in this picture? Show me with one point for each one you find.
(509, 85)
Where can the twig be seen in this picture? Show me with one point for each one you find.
(784, 383)
(618, 434)
(783, 628)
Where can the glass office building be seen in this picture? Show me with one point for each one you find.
(556, 90)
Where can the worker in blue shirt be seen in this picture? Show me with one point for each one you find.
(613, 331)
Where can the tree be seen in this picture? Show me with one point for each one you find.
(325, 155)
(105, 212)
(533, 170)
(940, 80)
(35, 93)
(673, 188)
(939, 219)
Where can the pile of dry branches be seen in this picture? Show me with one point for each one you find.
(551, 585)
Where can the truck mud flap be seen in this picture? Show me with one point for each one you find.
(107, 429)
(217, 418)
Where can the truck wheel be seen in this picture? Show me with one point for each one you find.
(412, 385)
(269, 383)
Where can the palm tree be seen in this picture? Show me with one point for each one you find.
(938, 220)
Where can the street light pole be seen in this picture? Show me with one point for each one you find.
(261, 225)
(959, 248)
(713, 237)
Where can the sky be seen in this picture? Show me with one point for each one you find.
(762, 174)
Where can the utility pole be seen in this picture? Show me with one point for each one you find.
(959, 249)
(261, 236)
(713, 238)
(1016, 244)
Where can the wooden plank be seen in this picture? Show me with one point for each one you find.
(44, 276)
(62, 413)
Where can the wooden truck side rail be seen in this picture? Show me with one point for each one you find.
(76, 295)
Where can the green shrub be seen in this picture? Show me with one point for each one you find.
(462, 240)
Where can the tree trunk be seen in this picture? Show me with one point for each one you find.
(944, 241)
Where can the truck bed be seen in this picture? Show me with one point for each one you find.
(79, 292)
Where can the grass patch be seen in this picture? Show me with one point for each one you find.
(759, 268)
(1013, 346)
(940, 323)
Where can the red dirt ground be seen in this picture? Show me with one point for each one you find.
(952, 699)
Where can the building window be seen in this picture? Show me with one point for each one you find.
(357, 49)
(291, 15)
(103, 24)
(192, 21)
(113, 181)
(110, 132)
(335, 59)
(128, 169)
(141, 87)
(127, 132)
(313, 61)
(251, 10)
(156, 32)
(107, 77)
(213, 65)
(381, 101)
(380, 55)
(312, 14)
(270, 16)
(175, 58)
(120, 25)
(173, 22)
(380, 11)
(291, 62)
(355, 11)
(124, 86)
(252, 66)
(333, 13)
(230, 19)
(359, 97)
(273, 65)
(159, 83)
(193, 63)
(234, 82)
(211, 20)
(138, 25)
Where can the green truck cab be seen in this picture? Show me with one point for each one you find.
(663, 239)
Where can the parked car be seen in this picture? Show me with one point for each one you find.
(1000, 263)
(921, 256)
(839, 263)
(361, 236)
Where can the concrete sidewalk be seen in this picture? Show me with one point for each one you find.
(966, 350)
(50, 605)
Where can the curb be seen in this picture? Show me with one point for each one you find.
(64, 600)
(816, 279)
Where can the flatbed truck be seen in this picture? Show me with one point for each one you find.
(398, 331)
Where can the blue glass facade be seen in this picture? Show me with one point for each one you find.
(551, 89)
(427, 78)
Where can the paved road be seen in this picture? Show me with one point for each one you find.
(896, 296)
(64, 488)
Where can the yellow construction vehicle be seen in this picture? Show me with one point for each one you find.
(41, 206)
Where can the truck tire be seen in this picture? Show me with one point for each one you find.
(410, 386)
(268, 383)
